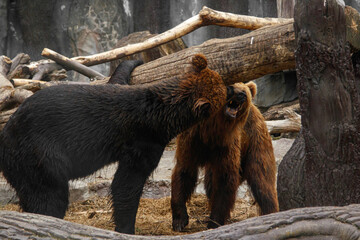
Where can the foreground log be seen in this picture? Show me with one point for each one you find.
(306, 223)
(323, 165)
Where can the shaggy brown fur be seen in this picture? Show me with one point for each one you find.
(232, 146)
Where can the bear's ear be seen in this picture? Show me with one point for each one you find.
(199, 62)
(202, 107)
(253, 88)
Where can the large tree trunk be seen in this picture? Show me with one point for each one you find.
(306, 223)
(323, 165)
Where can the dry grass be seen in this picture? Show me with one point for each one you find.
(154, 215)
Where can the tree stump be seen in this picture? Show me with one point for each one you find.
(323, 165)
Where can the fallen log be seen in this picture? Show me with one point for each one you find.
(282, 111)
(264, 51)
(35, 85)
(205, 17)
(305, 223)
(284, 125)
(238, 59)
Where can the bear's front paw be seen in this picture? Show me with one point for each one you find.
(179, 224)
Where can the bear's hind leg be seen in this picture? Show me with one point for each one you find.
(260, 174)
(183, 182)
(221, 190)
(42, 193)
(51, 202)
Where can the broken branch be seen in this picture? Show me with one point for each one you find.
(205, 17)
(71, 64)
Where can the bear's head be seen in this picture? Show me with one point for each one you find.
(239, 100)
(206, 87)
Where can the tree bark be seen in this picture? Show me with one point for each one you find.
(305, 223)
(236, 59)
(323, 165)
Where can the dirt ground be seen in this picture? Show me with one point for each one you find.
(154, 215)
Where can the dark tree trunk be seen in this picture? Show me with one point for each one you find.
(323, 165)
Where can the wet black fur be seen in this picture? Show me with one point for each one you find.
(68, 132)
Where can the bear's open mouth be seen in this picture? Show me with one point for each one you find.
(231, 108)
(233, 105)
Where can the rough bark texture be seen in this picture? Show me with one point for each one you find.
(323, 165)
(236, 59)
(306, 223)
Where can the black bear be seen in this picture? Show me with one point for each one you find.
(232, 145)
(68, 132)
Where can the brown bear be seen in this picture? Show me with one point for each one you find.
(231, 146)
(68, 132)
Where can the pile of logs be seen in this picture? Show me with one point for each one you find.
(16, 82)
